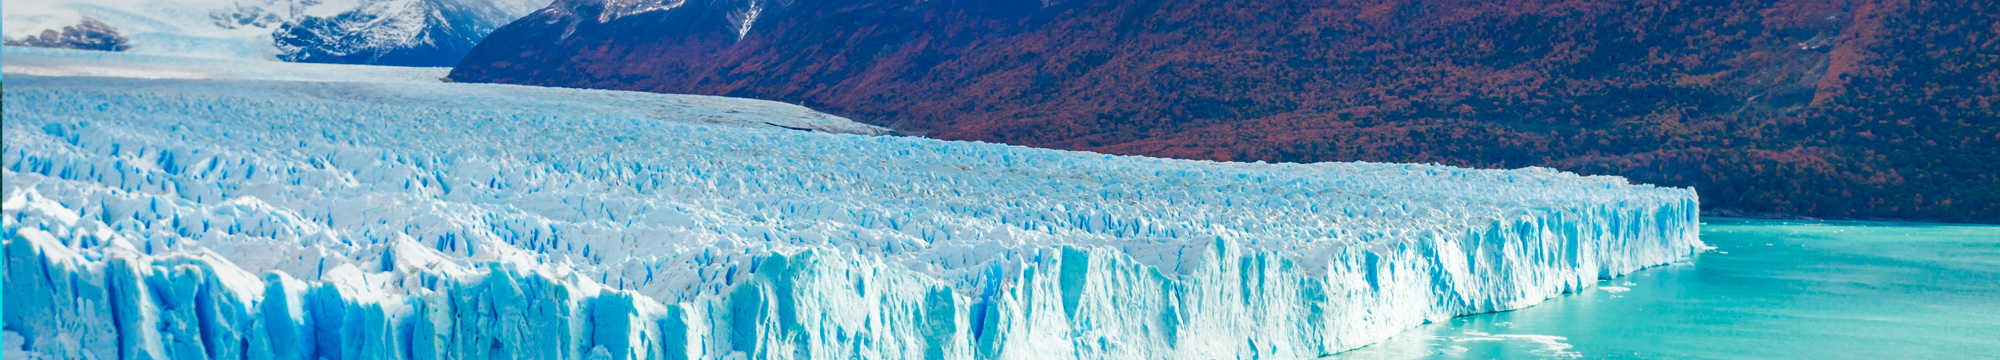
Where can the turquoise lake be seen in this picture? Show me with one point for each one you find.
(1769, 290)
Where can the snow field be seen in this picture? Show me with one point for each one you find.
(277, 211)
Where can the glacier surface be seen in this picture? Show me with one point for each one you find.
(168, 208)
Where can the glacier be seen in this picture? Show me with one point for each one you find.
(158, 207)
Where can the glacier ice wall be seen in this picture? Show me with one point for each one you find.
(283, 212)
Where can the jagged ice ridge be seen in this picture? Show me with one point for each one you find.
(167, 209)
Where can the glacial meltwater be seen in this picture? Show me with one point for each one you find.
(1769, 290)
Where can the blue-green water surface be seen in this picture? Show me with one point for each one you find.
(1769, 290)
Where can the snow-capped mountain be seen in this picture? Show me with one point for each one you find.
(382, 32)
(168, 208)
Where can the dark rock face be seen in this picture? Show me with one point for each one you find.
(88, 34)
(1811, 108)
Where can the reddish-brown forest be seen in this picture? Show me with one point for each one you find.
(1814, 108)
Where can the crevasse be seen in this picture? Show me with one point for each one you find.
(270, 211)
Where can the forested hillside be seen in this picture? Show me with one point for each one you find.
(1806, 108)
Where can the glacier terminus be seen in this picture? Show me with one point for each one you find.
(170, 208)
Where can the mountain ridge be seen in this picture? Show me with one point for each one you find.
(376, 32)
(1824, 109)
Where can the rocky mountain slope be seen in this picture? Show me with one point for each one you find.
(1814, 108)
(87, 34)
